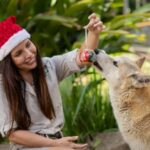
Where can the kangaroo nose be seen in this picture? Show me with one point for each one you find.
(97, 51)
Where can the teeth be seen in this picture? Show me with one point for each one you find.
(30, 62)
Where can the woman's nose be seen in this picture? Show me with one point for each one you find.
(28, 53)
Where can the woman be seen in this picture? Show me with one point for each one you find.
(30, 102)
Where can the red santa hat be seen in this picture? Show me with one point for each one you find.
(11, 35)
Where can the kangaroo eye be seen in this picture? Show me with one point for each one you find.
(115, 63)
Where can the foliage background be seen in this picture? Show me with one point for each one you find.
(57, 27)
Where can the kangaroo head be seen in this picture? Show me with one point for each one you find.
(120, 71)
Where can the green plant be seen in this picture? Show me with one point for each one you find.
(86, 104)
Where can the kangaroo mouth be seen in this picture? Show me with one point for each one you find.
(97, 65)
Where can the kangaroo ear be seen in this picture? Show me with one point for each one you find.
(140, 61)
(140, 80)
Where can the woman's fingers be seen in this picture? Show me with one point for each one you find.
(92, 22)
(95, 24)
(79, 146)
(92, 16)
(99, 26)
(100, 23)
(72, 138)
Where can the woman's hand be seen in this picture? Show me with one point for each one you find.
(69, 142)
(95, 25)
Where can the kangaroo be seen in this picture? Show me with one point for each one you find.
(129, 90)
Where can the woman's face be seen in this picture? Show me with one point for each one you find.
(24, 56)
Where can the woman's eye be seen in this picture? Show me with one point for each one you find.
(115, 63)
(18, 53)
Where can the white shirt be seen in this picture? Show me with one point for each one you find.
(56, 69)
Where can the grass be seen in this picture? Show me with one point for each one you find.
(86, 104)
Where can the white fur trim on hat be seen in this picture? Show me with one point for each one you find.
(12, 42)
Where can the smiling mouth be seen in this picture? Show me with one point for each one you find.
(31, 62)
(97, 65)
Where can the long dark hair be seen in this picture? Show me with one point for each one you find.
(14, 87)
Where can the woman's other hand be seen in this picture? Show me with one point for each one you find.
(70, 143)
